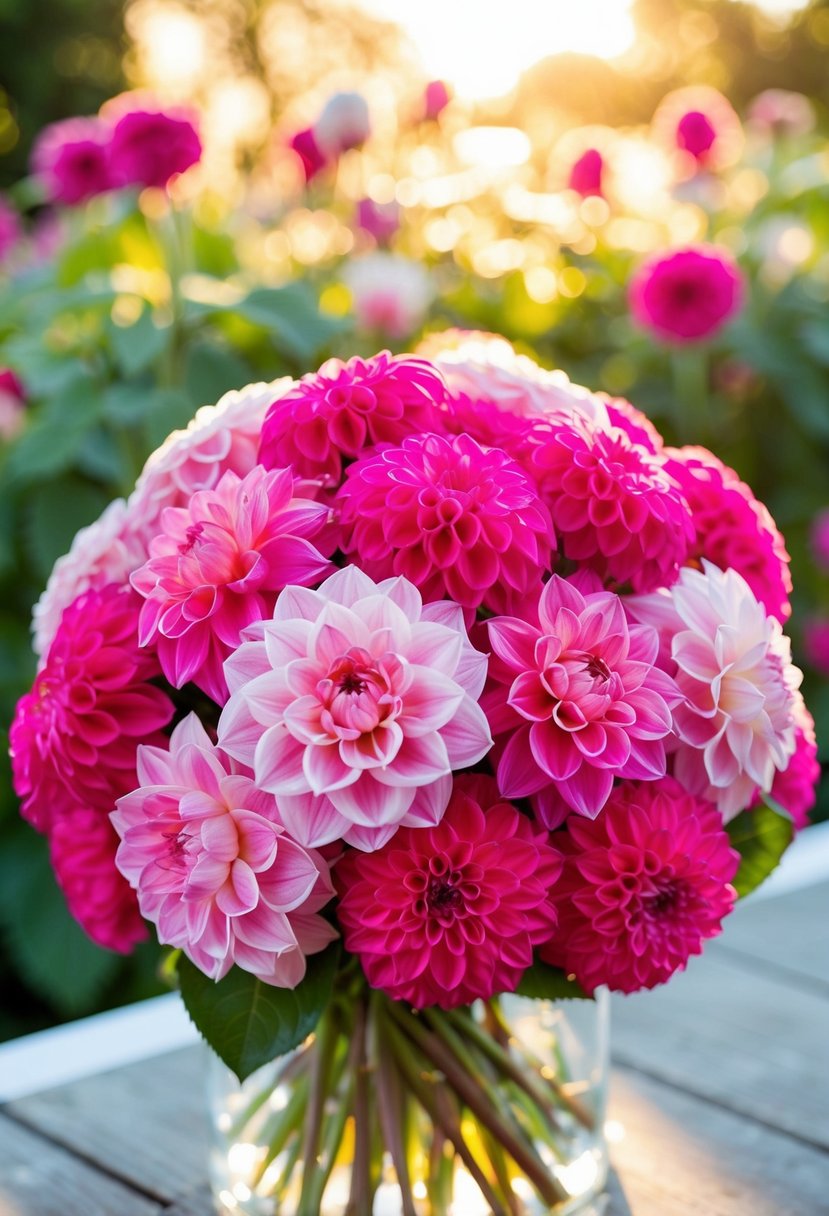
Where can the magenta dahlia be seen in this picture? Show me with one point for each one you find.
(733, 529)
(217, 567)
(586, 174)
(71, 159)
(74, 736)
(450, 914)
(150, 145)
(458, 520)
(578, 699)
(686, 295)
(330, 416)
(795, 787)
(82, 844)
(643, 887)
(615, 508)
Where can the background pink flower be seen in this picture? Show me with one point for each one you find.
(687, 295)
(458, 520)
(819, 536)
(213, 867)
(74, 736)
(82, 844)
(353, 706)
(644, 886)
(390, 294)
(217, 567)
(334, 413)
(732, 528)
(311, 157)
(151, 145)
(72, 160)
(733, 666)
(380, 220)
(580, 699)
(616, 509)
(343, 124)
(586, 174)
(436, 97)
(816, 643)
(699, 124)
(12, 403)
(450, 914)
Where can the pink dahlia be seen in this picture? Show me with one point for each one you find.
(150, 145)
(636, 425)
(217, 566)
(733, 666)
(586, 174)
(450, 914)
(700, 125)
(436, 97)
(459, 520)
(380, 220)
(71, 159)
(687, 295)
(390, 294)
(819, 537)
(644, 886)
(733, 529)
(578, 699)
(615, 508)
(105, 552)
(10, 228)
(212, 865)
(311, 157)
(795, 787)
(74, 735)
(82, 844)
(344, 407)
(218, 438)
(816, 643)
(780, 112)
(353, 706)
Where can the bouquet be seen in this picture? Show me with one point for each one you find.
(393, 693)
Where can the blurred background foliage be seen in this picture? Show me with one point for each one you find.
(121, 317)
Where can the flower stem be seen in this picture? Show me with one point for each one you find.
(389, 1102)
(361, 1192)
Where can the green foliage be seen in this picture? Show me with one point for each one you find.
(761, 837)
(545, 983)
(248, 1023)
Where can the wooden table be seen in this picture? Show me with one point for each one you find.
(719, 1100)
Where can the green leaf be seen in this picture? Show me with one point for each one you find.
(248, 1023)
(52, 440)
(761, 837)
(55, 511)
(545, 983)
(49, 948)
(291, 316)
(137, 346)
(211, 370)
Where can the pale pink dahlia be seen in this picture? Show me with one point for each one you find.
(700, 124)
(74, 736)
(733, 665)
(450, 914)
(458, 520)
(212, 865)
(733, 529)
(644, 886)
(578, 699)
(795, 787)
(353, 706)
(218, 565)
(219, 438)
(616, 510)
(336, 412)
(105, 552)
(82, 844)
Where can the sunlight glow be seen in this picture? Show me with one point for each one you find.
(482, 53)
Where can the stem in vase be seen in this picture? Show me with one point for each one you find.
(390, 1102)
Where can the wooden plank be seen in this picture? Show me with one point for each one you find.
(146, 1123)
(39, 1179)
(788, 933)
(681, 1156)
(742, 1039)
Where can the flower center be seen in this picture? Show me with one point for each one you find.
(597, 668)
(443, 899)
(192, 535)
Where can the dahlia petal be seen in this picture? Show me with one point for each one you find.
(369, 803)
(278, 762)
(323, 770)
(588, 790)
(467, 735)
(518, 773)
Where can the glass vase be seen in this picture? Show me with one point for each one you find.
(495, 1108)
